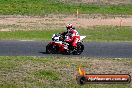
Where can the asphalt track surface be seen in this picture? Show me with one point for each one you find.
(92, 49)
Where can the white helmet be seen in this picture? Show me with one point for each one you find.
(69, 26)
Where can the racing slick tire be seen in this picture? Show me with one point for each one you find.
(50, 49)
(79, 49)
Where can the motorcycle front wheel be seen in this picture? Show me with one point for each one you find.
(79, 49)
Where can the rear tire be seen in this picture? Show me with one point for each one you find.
(50, 49)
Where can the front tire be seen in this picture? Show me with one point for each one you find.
(79, 49)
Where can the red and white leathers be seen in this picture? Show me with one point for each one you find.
(73, 37)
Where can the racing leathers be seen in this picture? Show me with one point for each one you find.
(73, 37)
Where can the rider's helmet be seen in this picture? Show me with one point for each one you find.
(69, 27)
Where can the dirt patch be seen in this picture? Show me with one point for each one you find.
(59, 21)
(5, 29)
(115, 2)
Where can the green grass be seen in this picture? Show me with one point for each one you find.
(50, 72)
(106, 33)
(42, 7)
(98, 33)
(28, 35)
(47, 74)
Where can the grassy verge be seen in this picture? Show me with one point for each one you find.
(42, 7)
(101, 33)
(57, 72)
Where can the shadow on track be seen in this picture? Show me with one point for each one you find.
(43, 52)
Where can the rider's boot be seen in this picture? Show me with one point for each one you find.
(74, 48)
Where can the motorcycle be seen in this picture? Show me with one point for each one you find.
(58, 45)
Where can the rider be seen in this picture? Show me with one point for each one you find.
(72, 35)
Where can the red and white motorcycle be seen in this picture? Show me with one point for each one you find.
(58, 45)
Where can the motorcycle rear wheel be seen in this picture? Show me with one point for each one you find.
(50, 49)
